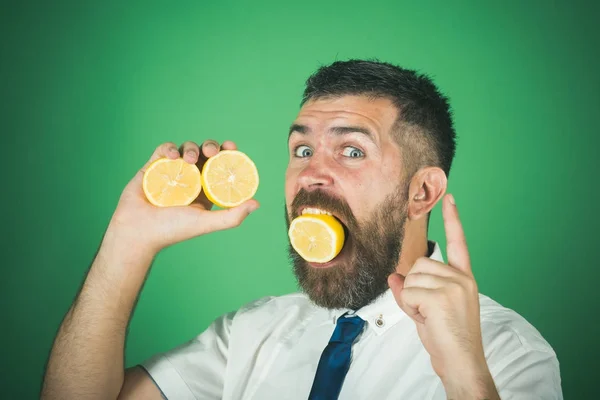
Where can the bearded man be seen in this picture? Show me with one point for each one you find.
(388, 318)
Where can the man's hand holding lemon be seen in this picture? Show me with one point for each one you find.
(165, 203)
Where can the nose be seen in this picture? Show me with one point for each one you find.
(316, 175)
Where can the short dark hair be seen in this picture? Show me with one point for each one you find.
(424, 129)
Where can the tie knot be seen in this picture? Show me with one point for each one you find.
(347, 329)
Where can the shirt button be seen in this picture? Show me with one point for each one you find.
(380, 322)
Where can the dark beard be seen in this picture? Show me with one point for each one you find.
(375, 250)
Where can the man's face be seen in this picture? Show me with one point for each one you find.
(343, 159)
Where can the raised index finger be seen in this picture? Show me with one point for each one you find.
(456, 243)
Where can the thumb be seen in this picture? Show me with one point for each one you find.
(191, 221)
(219, 220)
(178, 224)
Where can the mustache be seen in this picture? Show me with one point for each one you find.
(323, 200)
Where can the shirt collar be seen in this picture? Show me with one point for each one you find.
(383, 313)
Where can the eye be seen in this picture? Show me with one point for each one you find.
(352, 152)
(303, 151)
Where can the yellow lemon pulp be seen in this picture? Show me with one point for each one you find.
(170, 182)
(229, 178)
(317, 238)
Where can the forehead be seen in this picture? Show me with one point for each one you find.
(379, 114)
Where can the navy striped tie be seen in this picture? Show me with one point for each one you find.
(335, 360)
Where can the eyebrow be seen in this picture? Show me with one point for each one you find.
(337, 130)
(303, 129)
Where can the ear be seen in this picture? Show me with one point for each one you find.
(426, 188)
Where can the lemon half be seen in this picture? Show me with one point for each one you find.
(318, 238)
(169, 182)
(229, 178)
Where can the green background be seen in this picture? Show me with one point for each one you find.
(90, 88)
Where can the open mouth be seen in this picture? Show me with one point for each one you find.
(343, 253)
(314, 210)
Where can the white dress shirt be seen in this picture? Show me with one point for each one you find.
(270, 349)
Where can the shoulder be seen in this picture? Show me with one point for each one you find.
(273, 306)
(519, 358)
(273, 318)
(514, 347)
(501, 324)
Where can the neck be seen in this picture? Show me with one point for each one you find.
(413, 247)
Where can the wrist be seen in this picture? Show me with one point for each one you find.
(116, 276)
(122, 258)
(126, 242)
(470, 379)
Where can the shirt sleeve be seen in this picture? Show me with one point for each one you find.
(531, 374)
(196, 369)
(522, 364)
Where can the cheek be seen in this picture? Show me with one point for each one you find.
(365, 188)
(358, 179)
(356, 186)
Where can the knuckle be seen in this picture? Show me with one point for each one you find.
(422, 259)
(210, 142)
(167, 146)
(419, 264)
(189, 145)
(236, 218)
(455, 289)
(471, 285)
(443, 297)
(236, 222)
(164, 149)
